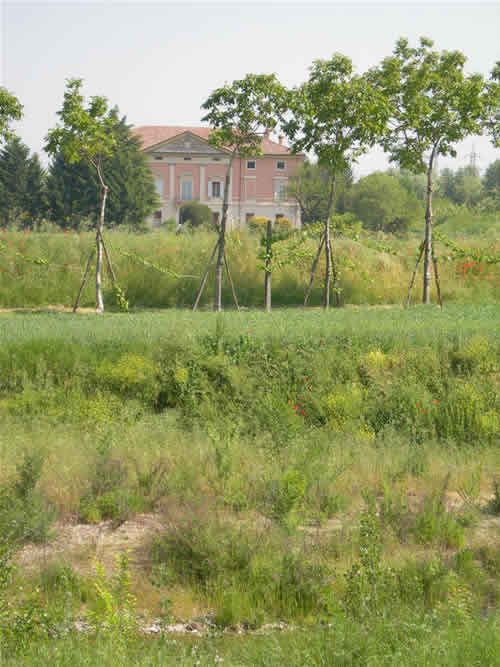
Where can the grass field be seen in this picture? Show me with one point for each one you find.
(338, 472)
(367, 275)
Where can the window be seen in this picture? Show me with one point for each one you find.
(187, 159)
(186, 190)
(280, 164)
(280, 190)
(250, 164)
(158, 157)
(216, 189)
(159, 186)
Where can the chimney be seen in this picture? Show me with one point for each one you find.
(267, 133)
(280, 139)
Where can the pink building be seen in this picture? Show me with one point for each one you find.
(187, 168)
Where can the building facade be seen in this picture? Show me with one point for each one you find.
(187, 168)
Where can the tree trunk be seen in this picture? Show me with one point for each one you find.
(267, 279)
(98, 264)
(428, 253)
(328, 245)
(222, 240)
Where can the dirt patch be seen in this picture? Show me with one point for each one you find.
(81, 544)
(46, 309)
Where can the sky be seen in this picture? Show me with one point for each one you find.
(158, 61)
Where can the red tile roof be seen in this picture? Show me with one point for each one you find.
(155, 134)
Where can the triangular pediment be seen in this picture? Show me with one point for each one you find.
(186, 143)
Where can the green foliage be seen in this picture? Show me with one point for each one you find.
(240, 112)
(244, 569)
(10, 109)
(22, 186)
(74, 189)
(434, 524)
(25, 514)
(114, 612)
(369, 585)
(196, 216)
(336, 113)
(310, 188)
(86, 133)
(132, 376)
(434, 104)
(383, 204)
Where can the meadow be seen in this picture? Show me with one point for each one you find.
(337, 473)
(161, 269)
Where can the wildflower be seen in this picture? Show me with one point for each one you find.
(322, 342)
(305, 379)
(289, 400)
(295, 407)
(310, 388)
(435, 400)
(418, 405)
(249, 331)
(421, 410)
(302, 412)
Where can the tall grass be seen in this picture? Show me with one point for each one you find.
(367, 276)
(303, 464)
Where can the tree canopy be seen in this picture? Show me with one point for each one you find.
(381, 202)
(10, 109)
(22, 185)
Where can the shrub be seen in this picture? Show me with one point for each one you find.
(132, 376)
(196, 216)
(25, 514)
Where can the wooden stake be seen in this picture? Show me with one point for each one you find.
(436, 278)
(204, 279)
(313, 270)
(267, 279)
(84, 281)
(412, 281)
(235, 298)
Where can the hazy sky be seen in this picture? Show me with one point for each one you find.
(158, 61)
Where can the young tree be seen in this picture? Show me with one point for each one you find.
(10, 109)
(434, 104)
(86, 133)
(74, 190)
(337, 115)
(239, 115)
